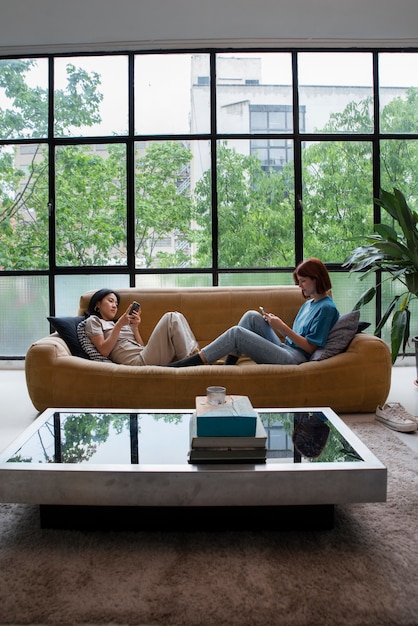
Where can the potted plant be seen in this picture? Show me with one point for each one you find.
(392, 250)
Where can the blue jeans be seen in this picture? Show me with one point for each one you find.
(255, 338)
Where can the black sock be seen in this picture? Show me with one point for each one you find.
(188, 361)
(231, 359)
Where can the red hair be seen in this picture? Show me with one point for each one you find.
(313, 268)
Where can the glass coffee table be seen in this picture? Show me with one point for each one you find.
(130, 469)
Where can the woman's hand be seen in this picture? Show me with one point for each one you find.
(128, 318)
(274, 321)
(278, 324)
(134, 320)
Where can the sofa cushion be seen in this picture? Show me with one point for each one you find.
(87, 345)
(66, 327)
(340, 336)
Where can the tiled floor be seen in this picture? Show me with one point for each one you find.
(17, 411)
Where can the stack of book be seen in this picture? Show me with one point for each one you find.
(231, 432)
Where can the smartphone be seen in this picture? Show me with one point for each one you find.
(262, 310)
(135, 307)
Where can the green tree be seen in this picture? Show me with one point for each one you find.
(82, 434)
(255, 213)
(90, 217)
(24, 191)
(20, 193)
(399, 158)
(400, 114)
(90, 206)
(337, 186)
(337, 175)
(162, 202)
(255, 208)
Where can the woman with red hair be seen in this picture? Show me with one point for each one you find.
(257, 335)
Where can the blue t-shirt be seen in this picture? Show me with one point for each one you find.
(314, 321)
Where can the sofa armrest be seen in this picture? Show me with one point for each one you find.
(361, 376)
(373, 346)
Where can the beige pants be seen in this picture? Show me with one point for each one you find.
(171, 339)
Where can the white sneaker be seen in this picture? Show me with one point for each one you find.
(395, 416)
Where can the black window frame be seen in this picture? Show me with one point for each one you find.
(297, 136)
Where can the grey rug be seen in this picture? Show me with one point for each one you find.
(363, 572)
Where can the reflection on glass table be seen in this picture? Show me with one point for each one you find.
(164, 438)
(299, 436)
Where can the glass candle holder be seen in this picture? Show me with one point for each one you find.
(216, 395)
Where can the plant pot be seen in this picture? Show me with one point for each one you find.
(415, 340)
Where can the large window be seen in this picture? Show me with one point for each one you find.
(193, 168)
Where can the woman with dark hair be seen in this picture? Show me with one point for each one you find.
(257, 335)
(121, 340)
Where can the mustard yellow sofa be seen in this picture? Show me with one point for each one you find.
(356, 380)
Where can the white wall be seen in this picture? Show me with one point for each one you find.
(54, 25)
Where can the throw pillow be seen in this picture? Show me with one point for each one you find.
(66, 327)
(88, 346)
(340, 336)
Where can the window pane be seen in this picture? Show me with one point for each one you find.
(338, 197)
(172, 95)
(24, 207)
(259, 120)
(173, 281)
(278, 120)
(23, 98)
(348, 288)
(399, 166)
(255, 280)
(390, 289)
(255, 209)
(91, 96)
(335, 91)
(23, 320)
(248, 80)
(270, 118)
(262, 154)
(398, 91)
(68, 289)
(91, 205)
(172, 204)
